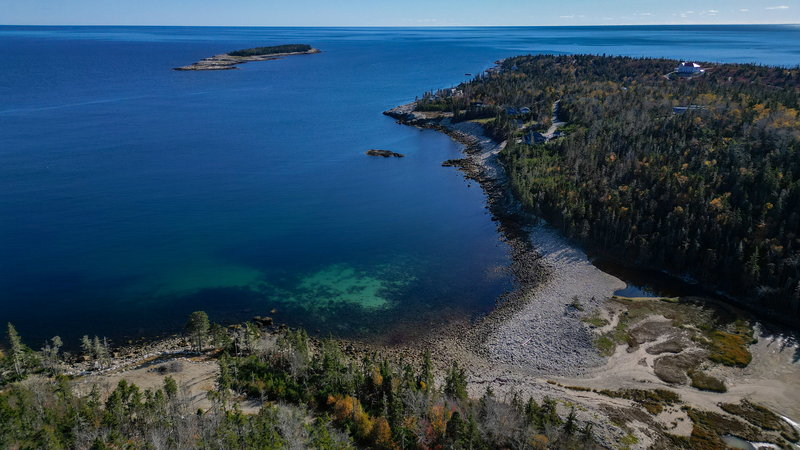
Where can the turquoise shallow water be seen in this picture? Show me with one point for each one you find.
(134, 194)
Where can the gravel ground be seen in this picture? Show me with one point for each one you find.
(547, 334)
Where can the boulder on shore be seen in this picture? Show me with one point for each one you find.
(262, 321)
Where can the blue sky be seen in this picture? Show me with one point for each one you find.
(396, 12)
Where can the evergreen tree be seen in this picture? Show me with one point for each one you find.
(17, 350)
(87, 347)
(456, 383)
(425, 380)
(197, 327)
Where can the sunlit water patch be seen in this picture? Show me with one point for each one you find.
(342, 283)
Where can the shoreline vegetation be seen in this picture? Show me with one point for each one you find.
(229, 61)
(559, 363)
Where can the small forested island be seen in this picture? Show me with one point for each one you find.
(228, 61)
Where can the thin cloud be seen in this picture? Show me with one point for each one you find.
(777, 7)
(712, 11)
(744, 10)
(566, 17)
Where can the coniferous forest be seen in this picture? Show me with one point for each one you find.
(313, 396)
(697, 175)
(273, 50)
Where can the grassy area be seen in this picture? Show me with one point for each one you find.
(729, 349)
(535, 126)
(628, 440)
(724, 333)
(706, 382)
(762, 418)
(652, 400)
(709, 427)
(607, 342)
(483, 121)
(578, 388)
(595, 320)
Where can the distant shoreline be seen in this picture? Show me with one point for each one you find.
(226, 61)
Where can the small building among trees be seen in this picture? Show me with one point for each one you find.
(689, 67)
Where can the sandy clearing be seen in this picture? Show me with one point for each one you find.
(195, 379)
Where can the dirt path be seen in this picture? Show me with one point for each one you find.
(556, 123)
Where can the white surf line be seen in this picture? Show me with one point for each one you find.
(760, 445)
(793, 424)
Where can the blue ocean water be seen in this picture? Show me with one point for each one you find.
(133, 194)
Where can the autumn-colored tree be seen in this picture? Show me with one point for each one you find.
(382, 434)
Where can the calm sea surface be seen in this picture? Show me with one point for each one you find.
(132, 194)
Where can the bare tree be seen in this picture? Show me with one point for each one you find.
(50, 353)
(290, 424)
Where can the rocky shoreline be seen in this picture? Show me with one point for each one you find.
(536, 328)
(226, 61)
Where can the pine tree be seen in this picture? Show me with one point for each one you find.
(197, 327)
(86, 346)
(426, 377)
(456, 383)
(99, 351)
(571, 424)
(17, 349)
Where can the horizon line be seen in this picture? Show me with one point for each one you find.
(410, 26)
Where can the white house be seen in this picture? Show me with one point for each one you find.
(689, 67)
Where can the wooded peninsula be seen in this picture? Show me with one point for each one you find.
(698, 175)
